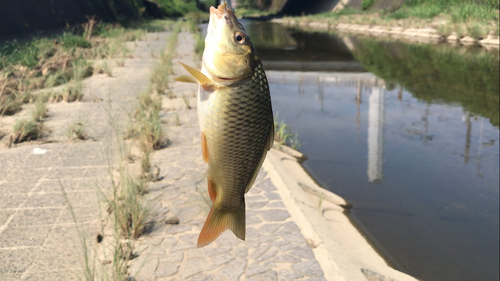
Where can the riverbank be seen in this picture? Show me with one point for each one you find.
(341, 250)
(423, 34)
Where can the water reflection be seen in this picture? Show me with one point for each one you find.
(422, 129)
(376, 135)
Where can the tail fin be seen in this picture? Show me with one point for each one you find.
(218, 221)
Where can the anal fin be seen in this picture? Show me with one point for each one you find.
(211, 190)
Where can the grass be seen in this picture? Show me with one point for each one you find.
(199, 46)
(104, 68)
(161, 75)
(39, 111)
(283, 134)
(48, 62)
(476, 18)
(25, 130)
(76, 131)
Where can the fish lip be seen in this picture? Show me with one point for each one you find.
(222, 10)
(216, 12)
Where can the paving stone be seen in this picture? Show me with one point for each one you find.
(215, 250)
(193, 266)
(252, 219)
(259, 251)
(24, 236)
(256, 204)
(144, 268)
(267, 185)
(255, 269)
(232, 270)
(240, 250)
(262, 174)
(303, 252)
(12, 200)
(308, 267)
(275, 204)
(286, 274)
(31, 217)
(166, 269)
(268, 254)
(189, 238)
(274, 215)
(202, 277)
(178, 228)
(194, 253)
(183, 246)
(269, 275)
(269, 228)
(285, 258)
(222, 258)
(172, 256)
(16, 261)
(273, 196)
(315, 278)
(57, 258)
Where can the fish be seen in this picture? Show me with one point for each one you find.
(235, 119)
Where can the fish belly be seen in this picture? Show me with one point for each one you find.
(237, 121)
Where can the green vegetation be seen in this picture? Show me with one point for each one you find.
(25, 130)
(283, 134)
(76, 131)
(178, 8)
(39, 111)
(161, 74)
(437, 74)
(476, 18)
(366, 4)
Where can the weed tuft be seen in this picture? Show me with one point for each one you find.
(39, 111)
(76, 131)
(25, 130)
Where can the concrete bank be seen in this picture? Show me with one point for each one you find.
(426, 35)
(341, 250)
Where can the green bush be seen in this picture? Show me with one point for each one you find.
(70, 41)
(177, 8)
(367, 3)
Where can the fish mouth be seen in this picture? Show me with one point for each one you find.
(222, 10)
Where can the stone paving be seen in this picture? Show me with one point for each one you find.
(274, 248)
(38, 237)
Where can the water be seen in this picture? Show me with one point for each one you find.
(413, 144)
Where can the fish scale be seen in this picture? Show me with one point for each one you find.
(236, 122)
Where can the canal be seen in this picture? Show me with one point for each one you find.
(409, 134)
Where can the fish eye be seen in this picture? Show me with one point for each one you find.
(239, 37)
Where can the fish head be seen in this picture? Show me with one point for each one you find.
(229, 53)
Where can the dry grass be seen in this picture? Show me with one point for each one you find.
(39, 111)
(25, 130)
(77, 131)
(161, 75)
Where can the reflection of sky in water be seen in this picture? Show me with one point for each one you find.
(424, 172)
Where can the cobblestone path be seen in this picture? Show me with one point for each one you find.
(274, 248)
(38, 238)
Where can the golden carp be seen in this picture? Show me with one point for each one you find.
(235, 118)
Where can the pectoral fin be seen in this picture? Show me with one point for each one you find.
(186, 79)
(201, 79)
